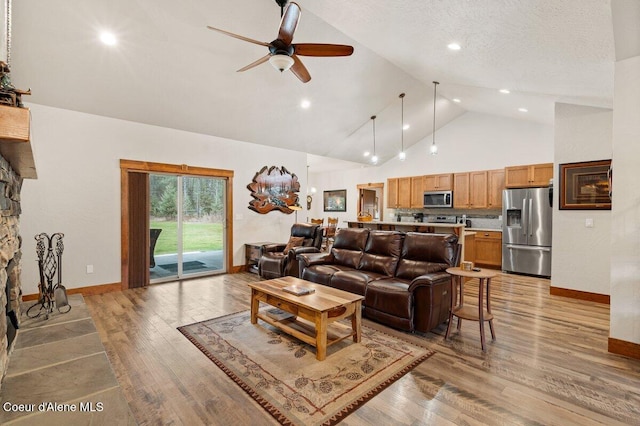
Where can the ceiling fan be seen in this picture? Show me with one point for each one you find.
(283, 54)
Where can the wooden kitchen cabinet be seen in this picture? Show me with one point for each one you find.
(478, 190)
(470, 190)
(442, 182)
(495, 187)
(399, 193)
(488, 247)
(392, 193)
(528, 176)
(417, 192)
(461, 190)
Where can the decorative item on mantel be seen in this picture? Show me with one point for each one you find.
(274, 188)
(49, 262)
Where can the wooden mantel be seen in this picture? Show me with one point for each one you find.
(15, 140)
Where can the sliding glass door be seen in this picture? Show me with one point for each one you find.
(187, 226)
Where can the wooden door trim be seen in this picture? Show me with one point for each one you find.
(127, 166)
(373, 186)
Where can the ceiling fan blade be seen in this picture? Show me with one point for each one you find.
(255, 63)
(318, 49)
(299, 70)
(289, 23)
(250, 40)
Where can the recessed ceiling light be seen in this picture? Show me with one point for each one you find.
(505, 91)
(456, 100)
(454, 46)
(367, 153)
(406, 127)
(523, 110)
(305, 103)
(108, 38)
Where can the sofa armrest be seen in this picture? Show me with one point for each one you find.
(295, 251)
(309, 259)
(270, 248)
(429, 280)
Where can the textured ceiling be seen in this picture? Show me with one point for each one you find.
(169, 70)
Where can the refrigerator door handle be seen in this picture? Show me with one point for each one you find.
(525, 219)
(530, 217)
(532, 248)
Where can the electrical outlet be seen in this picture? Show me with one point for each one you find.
(89, 269)
(588, 223)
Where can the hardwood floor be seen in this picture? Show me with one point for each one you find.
(549, 365)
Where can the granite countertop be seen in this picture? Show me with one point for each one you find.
(485, 229)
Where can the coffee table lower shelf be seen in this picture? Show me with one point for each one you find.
(306, 330)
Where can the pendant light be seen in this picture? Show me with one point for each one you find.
(374, 158)
(402, 156)
(434, 148)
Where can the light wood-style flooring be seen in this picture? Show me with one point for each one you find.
(549, 365)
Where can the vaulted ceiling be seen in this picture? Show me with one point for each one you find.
(168, 69)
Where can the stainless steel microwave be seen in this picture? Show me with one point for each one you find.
(438, 199)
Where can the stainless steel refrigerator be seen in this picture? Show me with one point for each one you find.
(526, 230)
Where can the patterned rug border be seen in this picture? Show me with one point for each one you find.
(277, 414)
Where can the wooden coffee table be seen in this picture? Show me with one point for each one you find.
(312, 314)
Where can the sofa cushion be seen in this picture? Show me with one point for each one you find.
(426, 253)
(391, 296)
(293, 242)
(348, 246)
(353, 281)
(382, 252)
(322, 273)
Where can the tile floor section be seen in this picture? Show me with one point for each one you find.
(57, 366)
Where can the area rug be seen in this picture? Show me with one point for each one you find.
(186, 266)
(282, 374)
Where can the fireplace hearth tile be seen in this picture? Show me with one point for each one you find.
(60, 383)
(78, 311)
(31, 358)
(54, 333)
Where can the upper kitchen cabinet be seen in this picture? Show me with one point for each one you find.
(399, 193)
(495, 188)
(443, 182)
(417, 192)
(528, 176)
(470, 190)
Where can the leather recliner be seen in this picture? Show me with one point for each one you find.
(276, 263)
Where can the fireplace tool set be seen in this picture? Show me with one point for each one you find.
(49, 250)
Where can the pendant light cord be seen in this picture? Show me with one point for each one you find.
(402, 119)
(435, 87)
(373, 117)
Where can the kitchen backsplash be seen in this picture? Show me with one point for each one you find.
(487, 220)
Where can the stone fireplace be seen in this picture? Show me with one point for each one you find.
(10, 255)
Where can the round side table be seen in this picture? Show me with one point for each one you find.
(461, 311)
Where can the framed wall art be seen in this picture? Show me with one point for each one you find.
(585, 185)
(274, 188)
(335, 201)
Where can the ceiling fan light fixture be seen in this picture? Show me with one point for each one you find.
(281, 62)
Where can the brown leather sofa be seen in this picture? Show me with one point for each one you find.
(402, 276)
(275, 262)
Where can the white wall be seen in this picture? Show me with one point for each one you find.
(625, 244)
(78, 187)
(581, 256)
(473, 141)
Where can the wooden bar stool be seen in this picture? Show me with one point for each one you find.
(468, 312)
